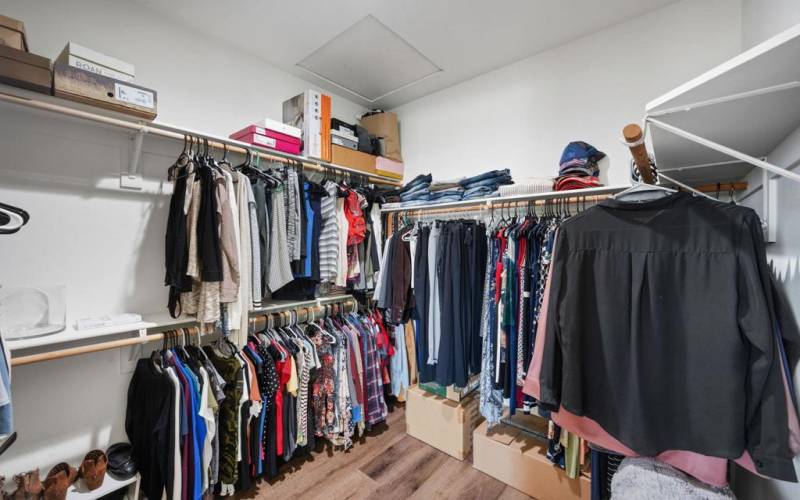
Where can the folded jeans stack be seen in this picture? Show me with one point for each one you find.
(485, 184)
(578, 167)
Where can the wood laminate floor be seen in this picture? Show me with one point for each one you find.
(387, 464)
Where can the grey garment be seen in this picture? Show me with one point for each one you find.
(384, 294)
(649, 479)
(293, 224)
(255, 247)
(435, 309)
(280, 269)
(329, 235)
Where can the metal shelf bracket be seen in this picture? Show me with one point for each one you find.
(132, 179)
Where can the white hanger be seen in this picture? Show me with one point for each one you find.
(16, 221)
(644, 192)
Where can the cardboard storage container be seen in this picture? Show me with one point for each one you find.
(353, 159)
(25, 70)
(101, 91)
(389, 168)
(12, 33)
(452, 392)
(520, 461)
(385, 126)
(441, 423)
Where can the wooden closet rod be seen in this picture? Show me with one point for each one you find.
(257, 323)
(634, 137)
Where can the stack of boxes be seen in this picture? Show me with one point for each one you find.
(18, 67)
(85, 75)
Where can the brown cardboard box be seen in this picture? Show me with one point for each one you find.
(353, 159)
(442, 423)
(520, 461)
(101, 91)
(385, 126)
(12, 33)
(23, 69)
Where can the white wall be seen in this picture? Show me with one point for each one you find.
(763, 19)
(106, 245)
(201, 83)
(521, 116)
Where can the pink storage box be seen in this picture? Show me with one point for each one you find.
(389, 168)
(267, 138)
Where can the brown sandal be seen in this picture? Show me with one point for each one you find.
(58, 481)
(93, 469)
(29, 486)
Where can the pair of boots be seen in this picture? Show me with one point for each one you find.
(59, 479)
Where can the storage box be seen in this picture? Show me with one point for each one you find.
(25, 70)
(345, 140)
(100, 63)
(306, 111)
(385, 126)
(353, 159)
(12, 34)
(441, 423)
(282, 128)
(98, 90)
(520, 461)
(267, 138)
(389, 168)
(451, 392)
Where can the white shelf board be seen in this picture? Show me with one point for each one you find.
(70, 334)
(749, 103)
(78, 491)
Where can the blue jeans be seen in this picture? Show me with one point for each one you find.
(420, 180)
(484, 176)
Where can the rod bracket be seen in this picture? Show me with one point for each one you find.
(132, 179)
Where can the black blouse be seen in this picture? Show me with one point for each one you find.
(660, 327)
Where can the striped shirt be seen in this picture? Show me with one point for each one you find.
(329, 236)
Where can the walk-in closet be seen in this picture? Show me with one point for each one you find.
(399, 250)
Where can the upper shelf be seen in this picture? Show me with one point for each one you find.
(750, 103)
(84, 112)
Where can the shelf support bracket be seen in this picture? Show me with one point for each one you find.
(132, 179)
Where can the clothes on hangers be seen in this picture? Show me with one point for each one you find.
(758, 427)
(238, 236)
(219, 418)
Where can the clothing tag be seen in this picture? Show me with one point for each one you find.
(526, 295)
(134, 96)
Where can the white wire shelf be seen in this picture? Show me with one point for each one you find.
(158, 322)
(50, 104)
(748, 104)
(499, 200)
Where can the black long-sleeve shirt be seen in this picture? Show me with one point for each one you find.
(661, 329)
(149, 420)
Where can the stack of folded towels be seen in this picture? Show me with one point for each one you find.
(578, 168)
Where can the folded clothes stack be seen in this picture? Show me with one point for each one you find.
(527, 185)
(485, 184)
(578, 167)
(422, 190)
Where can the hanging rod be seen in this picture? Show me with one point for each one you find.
(175, 132)
(571, 196)
(257, 323)
(488, 202)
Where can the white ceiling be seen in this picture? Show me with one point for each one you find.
(462, 38)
